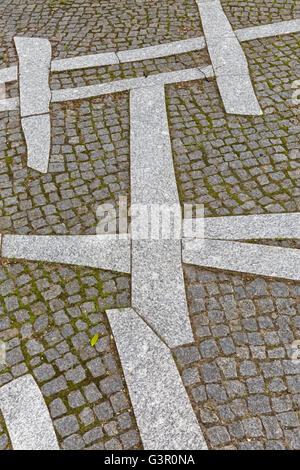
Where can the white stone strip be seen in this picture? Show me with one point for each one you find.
(268, 30)
(35, 95)
(228, 60)
(37, 133)
(164, 414)
(158, 292)
(26, 416)
(162, 50)
(9, 74)
(84, 62)
(9, 104)
(244, 257)
(34, 67)
(245, 227)
(117, 86)
(96, 251)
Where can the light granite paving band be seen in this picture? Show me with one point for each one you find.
(97, 251)
(162, 50)
(26, 415)
(244, 257)
(117, 86)
(158, 291)
(244, 227)
(162, 408)
(37, 131)
(35, 95)
(228, 60)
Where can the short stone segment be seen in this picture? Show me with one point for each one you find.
(26, 416)
(163, 411)
(245, 257)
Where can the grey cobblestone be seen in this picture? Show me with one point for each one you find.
(244, 399)
(82, 385)
(227, 162)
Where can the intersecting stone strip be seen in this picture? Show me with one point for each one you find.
(268, 30)
(244, 257)
(34, 67)
(161, 406)
(117, 86)
(97, 251)
(228, 60)
(26, 416)
(253, 226)
(158, 292)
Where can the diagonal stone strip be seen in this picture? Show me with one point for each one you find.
(162, 408)
(37, 131)
(35, 95)
(26, 416)
(228, 60)
(243, 257)
(158, 291)
(253, 226)
(96, 251)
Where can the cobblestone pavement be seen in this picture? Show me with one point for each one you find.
(86, 27)
(242, 13)
(88, 165)
(48, 315)
(238, 373)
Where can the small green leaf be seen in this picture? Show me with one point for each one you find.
(94, 339)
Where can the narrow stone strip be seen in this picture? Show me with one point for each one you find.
(268, 30)
(244, 257)
(158, 291)
(162, 50)
(26, 416)
(164, 415)
(253, 226)
(37, 133)
(84, 62)
(34, 66)
(96, 251)
(117, 86)
(228, 60)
